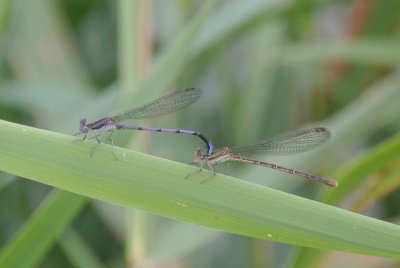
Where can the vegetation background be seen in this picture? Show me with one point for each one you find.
(265, 67)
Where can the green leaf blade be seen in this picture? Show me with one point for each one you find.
(158, 186)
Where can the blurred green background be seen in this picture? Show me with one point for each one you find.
(265, 67)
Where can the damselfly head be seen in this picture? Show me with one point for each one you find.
(198, 155)
(82, 125)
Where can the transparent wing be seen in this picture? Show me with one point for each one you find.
(164, 105)
(290, 143)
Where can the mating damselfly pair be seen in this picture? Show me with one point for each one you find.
(295, 142)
